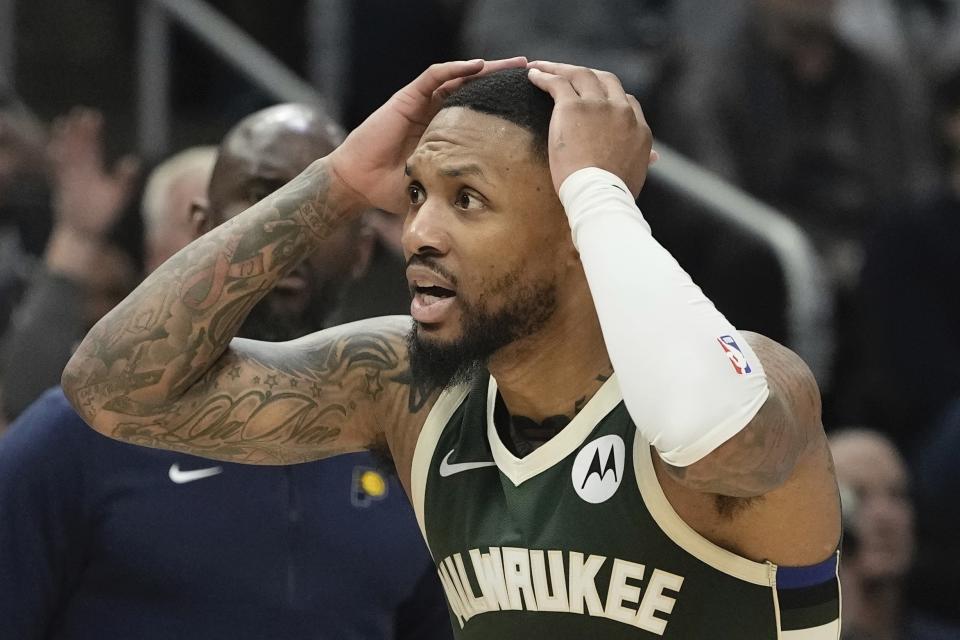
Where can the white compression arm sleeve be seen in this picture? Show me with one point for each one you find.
(689, 380)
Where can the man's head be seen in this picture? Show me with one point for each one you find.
(876, 483)
(258, 156)
(173, 188)
(486, 240)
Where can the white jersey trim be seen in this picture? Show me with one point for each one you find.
(437, 419)
(519, 470)
(763, 574)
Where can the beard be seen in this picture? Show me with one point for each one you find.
(437, 364)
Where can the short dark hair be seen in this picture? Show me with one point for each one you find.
(508, 94)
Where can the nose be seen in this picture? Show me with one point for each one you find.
(425, 230)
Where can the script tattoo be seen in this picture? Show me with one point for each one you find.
(160, 369)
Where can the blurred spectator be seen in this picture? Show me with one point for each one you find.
(909, 352)
(878, 544)
(382, 289)
(922, 33)
(175, 190)
(141, 543)
(22, 196)
(84, 272)
(808, 123)
(936, 583)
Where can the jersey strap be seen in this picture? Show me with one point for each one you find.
(448, 402)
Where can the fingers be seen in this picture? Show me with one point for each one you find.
(489, 66)
(558, 87)
(437, 76)
(612, 86)
(637, 109)
(77, 136)
(584, 81)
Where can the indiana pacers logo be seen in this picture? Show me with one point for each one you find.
(598, 469)
(369, 486)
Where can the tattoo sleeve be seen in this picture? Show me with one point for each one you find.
(763, 455)
(161, 370)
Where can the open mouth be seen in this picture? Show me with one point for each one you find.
(431, 302)
(433, 293)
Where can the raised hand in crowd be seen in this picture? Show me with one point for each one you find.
(88, 196)
(84, 273)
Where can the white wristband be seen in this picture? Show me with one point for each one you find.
(689, 380)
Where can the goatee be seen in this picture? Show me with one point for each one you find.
(437, 364)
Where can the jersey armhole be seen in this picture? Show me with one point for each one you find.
(683, 535)
(443, 409)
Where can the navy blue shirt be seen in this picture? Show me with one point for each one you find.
(101, 539)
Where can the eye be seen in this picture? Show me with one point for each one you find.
(416, 193)
(468, 202)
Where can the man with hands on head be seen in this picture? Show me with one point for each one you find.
(578, 428)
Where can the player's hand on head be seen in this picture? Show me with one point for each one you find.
(595, 123)
(371, 160)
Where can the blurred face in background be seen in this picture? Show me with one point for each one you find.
(806, 15)
(174, 189)
(880, 510)
(259, 156)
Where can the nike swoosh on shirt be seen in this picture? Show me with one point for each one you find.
(447, 468)
(183, 477)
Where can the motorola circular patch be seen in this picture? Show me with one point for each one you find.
(598, 468)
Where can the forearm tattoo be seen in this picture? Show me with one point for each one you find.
(159, 363)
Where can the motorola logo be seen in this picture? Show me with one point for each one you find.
(598, 469)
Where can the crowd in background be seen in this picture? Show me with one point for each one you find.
(842, 114)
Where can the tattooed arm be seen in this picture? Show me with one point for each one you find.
(161, 369)
(785, 433)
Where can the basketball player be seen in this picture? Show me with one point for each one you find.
(579, 430)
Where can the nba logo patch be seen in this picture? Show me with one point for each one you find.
(734, 354)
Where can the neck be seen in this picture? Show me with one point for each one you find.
(557, 370)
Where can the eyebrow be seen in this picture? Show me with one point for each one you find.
(462, 170)
(455, 171)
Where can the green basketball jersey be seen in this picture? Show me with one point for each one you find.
(577, 539)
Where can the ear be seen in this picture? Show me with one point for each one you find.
(366, 244)
(199, 216)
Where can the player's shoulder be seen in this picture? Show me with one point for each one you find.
(782, 362)
(384, 333)
(793, 386)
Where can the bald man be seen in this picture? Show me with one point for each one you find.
(101, 538)
(259, 155)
